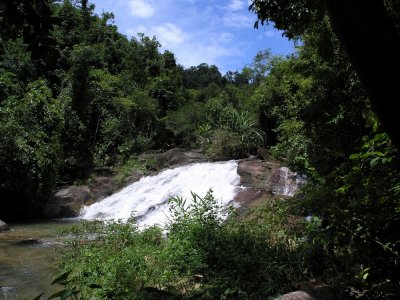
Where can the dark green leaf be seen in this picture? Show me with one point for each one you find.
(60, 279)
(38, 297)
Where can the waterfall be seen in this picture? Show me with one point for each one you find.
(286, 182)
(147, 199)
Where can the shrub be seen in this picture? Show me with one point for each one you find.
(202, 256)
(360, 207)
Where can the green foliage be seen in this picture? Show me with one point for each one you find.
(360, 204)
(117, 97)
(236, 134)
(16, 59)
(226, 253)
(315, 97)
(183, 122)
(223, 144)
(202, 76)
(294, 17)
(313, 108)
(30, 147)
(292, 145)
(201, 257)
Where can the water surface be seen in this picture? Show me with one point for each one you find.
(27, 259)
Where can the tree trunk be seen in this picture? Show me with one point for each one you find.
(372, 42)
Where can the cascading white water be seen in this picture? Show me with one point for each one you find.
(147, 198)
(288, 182)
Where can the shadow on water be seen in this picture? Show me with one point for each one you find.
(27, 258)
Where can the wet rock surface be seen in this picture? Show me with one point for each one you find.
(297, 295)
(3, 226)
(133, 177)
(269, 175)
(102, 187)
(67, 202)
(266, 178)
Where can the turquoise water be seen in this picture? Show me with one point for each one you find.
(28, 254)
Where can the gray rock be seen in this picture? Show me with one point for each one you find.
(270, 176)
(172, 158)
(133, 177)
(102, 187)
(185, 157)
(67, 202)
(250, 170)
(285, 182)
(298, 295)
(3, 226)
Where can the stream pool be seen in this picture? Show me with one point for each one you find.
(27, 259)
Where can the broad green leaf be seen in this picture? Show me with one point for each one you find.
(61, 278)
(374, 162)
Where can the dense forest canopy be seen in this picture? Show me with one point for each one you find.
(76, 95)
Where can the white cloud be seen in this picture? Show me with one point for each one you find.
(169, 34)
(226, 37)
(235, 5)
(270, 33)
(140, 29)
(197, 53)
(238, 20)
(141, 8)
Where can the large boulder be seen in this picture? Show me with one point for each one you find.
(256, 172)
(3, 226)
(133, 177)
(67, 202)
(269, 176)
(318, 292)
(102, 187)
(180, 157)
(297, 295)
(172, 158)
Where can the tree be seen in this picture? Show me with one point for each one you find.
(30, 150)
(372, 41)
(202, 76)
(367, 31)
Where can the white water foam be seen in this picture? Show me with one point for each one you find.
(147, 198)
(287, 183)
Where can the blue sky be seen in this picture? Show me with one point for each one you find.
(196, 31)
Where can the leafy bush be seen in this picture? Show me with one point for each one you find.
(360, 208)
(292, 145)
(224, 145)
(202, 256)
